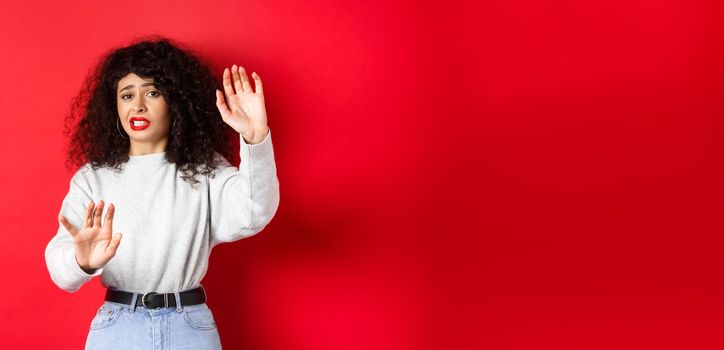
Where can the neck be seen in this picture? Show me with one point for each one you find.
(145, 148)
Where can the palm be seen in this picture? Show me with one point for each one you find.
(94, 244)
(240, 106)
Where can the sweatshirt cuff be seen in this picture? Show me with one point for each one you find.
(72, 264)
(257, 151)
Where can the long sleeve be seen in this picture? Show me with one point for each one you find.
(244, 200)
(60, 251)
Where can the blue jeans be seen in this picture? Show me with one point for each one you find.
(120, 326)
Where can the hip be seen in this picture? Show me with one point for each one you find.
(121, 326)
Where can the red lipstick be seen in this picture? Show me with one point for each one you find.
(139, 123)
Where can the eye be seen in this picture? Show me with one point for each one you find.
(123, 97)
(155, 92)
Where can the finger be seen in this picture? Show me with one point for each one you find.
(245, 80)
(68, 226)
(109, 217)
(98, 212)
(88, 222)
(221, 104)
(257, 83)
(113, 246)
(228, 90)
(237, 79)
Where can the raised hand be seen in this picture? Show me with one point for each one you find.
(241, 107)
(94, 246)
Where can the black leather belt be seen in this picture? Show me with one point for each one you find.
(155, 300)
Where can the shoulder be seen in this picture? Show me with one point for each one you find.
(80, 181)
(83, 172)
(87, 174)
(222, 168)
(220, 160)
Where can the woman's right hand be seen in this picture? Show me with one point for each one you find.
(94, 246)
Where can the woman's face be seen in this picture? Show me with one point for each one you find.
(143, 113)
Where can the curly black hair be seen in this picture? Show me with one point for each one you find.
(188, 86)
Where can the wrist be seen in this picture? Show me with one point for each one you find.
(82, 266)
(255, 136)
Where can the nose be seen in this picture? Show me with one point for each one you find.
(140, 108)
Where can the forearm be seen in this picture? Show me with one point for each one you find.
(243, 202)
(63, 266)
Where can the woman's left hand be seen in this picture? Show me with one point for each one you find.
(241, 107)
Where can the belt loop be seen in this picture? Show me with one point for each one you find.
(179, 308)
(134, 299)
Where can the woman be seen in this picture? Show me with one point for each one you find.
(153, 142)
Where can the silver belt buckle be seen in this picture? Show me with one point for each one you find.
(165, 300)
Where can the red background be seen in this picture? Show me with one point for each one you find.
(507, 175)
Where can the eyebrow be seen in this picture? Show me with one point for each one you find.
(130, 86)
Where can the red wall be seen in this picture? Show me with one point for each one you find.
(507, 175)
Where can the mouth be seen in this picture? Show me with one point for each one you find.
(139, 123)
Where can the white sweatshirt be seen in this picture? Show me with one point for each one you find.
(168, 227)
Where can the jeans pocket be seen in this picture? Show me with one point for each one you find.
(106, 316)
(199, 316)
